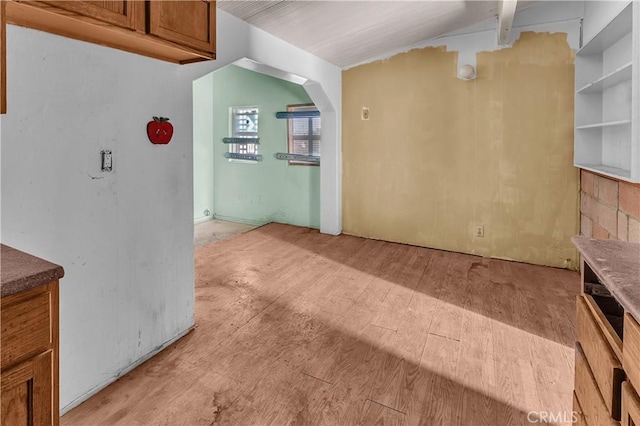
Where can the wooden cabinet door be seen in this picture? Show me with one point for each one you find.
(26, 393)
(630, 406)
(604, 364)
(586, 389)
(187, 23)
(631, 351)
(120, 13)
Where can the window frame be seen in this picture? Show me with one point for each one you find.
(233, 147)
(310, 136)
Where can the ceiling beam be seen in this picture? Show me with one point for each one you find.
(506, 12)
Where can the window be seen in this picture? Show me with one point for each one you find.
(244, 124)
(304, 134)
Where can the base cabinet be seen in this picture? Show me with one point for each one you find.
(29, 361)
(607, 367)
(631, 355)
(27, 392)
(630, 406)
(589, 397)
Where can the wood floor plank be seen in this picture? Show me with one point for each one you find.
(405, 272)
(350, 282)
(394, 384)
(350, 374)
(451, 293)
(296, 327)
(437, 392)
(513, 369)
(203, 401)
(379, 415)
(548, 357)
(309, 393)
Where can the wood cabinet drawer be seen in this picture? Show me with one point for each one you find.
(586, 389)
(630, 406)
(631, 352)
(605, 366)
(26, 326)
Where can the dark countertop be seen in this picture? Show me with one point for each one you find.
(20, 271)
(617, 265)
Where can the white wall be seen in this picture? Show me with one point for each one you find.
(125, 237)
(551, 16)
(203, 148)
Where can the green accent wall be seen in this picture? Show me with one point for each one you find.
(270, 190)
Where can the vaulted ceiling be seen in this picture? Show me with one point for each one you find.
(349, 32)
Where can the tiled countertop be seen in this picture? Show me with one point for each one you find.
(617, 265)
(20, 271)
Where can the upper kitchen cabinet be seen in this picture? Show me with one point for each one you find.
(120, 13)
(175, 31)
(188, 23)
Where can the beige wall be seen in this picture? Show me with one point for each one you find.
(440, 156)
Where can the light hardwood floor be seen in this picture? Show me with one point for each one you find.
(217, 230)
(296, 327)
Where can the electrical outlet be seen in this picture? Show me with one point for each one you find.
(107, 160)
(479, 231)
(365, 113)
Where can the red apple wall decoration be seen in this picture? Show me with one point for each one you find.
(160, 130)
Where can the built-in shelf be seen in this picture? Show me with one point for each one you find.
(297, 114)
(606, 92)
(296, 157)
(614, 172)
(605, 124)
(245, 157)
(616, 77)
(619, 27)
(255, 141)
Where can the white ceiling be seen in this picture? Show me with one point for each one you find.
(349, 32)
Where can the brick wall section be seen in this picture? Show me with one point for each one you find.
(609, 209)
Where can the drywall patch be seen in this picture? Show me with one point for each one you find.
(442, 156)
